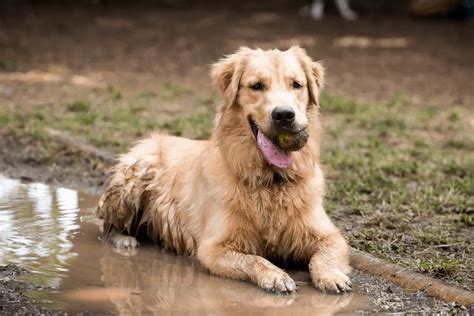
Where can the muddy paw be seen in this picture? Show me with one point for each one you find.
(122, 241)
(332, 281)
(277, 282)
(127, 252)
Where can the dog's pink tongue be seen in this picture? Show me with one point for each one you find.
(274, 155)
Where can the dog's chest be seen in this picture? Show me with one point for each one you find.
(270, 241)
(276, 212)
(266, 219)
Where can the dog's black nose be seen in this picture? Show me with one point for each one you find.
(283, 115)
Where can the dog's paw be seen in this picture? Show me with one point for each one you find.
(332, 281)
(122, 241)
(277, 282)
(127, 252)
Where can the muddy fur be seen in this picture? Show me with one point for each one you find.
(218, 199)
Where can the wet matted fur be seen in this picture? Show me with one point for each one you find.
(222, 200)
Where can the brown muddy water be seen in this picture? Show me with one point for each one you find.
(53, 233)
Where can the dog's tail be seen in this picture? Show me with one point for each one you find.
(123, 205)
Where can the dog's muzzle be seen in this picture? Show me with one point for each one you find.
(287, 138)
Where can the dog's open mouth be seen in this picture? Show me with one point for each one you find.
(272, 152)
(253, 127)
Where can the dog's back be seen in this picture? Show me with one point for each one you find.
(143, 193)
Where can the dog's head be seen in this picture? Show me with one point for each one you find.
(274, 91)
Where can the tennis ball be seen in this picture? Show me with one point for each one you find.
(292, 141)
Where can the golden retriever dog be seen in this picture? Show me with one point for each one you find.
(252, 193)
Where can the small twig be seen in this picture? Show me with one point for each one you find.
(446, 246)
(439, 246)
(396, 273)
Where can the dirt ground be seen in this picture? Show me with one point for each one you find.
(52, 56)
(430, 61)
(13, 301)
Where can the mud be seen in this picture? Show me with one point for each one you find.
(11, 291)
(53, 262)
(69, 167)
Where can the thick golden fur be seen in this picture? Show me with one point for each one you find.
(219, 200)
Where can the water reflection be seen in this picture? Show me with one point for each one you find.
(171, 284)
(37, 224)
(54, 233)
(151, 281)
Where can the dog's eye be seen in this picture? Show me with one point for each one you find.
(296, 85)
(257, 86)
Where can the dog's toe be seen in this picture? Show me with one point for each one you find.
(278, 282)
(122, 241)
(290, 285)
(333, 281)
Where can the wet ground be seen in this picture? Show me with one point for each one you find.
(53, 262)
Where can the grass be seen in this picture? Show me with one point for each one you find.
(400, 178)
(8, 65)
(401, 181)
(113, 118)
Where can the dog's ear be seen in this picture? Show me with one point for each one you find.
(226, 74)
(314, 72)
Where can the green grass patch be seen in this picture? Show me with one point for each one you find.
(78, 106)
(114, 118)
(172, 91)
(440, 268)
(335, 104)
(8, 65)
(197, 126)
(403, 179)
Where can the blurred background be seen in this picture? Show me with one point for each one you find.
(397, 109)
(423, 48)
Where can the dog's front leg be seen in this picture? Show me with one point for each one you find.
(329, 265)
(236, 265)
(328, 253)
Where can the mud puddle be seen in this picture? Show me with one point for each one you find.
(52, 232)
